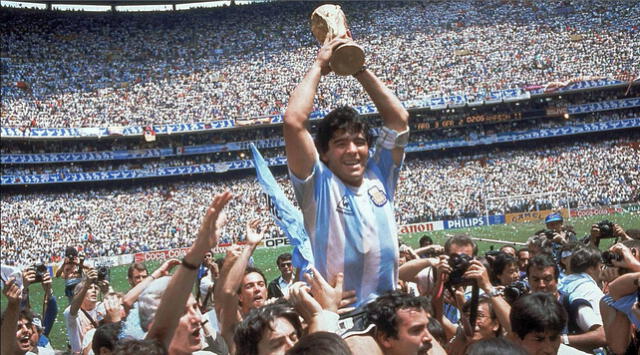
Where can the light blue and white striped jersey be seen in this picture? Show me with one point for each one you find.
(353, 229)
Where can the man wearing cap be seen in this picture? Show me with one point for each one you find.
(554, 222)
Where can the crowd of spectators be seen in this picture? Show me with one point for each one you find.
(124, 220)
(76, 69)
(556, 295)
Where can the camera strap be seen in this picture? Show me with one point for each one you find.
(93, 322)
(468, 324)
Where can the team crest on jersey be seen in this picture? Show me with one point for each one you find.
(378, 197)
(344, 206)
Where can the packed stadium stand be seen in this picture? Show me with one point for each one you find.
(118, 128)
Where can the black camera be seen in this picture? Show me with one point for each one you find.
(609, 257)
(40, 270)
(549, 233)
(459, 264)
(606, 229)
(515, 290)
(103, 273)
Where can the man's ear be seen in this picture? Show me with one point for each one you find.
(382, 339)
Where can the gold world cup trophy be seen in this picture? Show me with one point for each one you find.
(329, 22)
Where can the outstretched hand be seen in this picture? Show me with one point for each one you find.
(214, 220)
(253, 236)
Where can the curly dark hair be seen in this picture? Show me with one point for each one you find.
(383, 311)
(250, 331)
(537, 312)
(342, 118)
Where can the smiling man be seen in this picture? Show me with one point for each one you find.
(346, 195)
(85, 312)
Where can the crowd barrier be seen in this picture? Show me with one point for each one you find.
(430, 102)
(532, 216)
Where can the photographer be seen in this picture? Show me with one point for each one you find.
(24, 339)
(606, 230)
(618, 305)
(40, 274)
(85, 311)
(70, 271)
(582, 299)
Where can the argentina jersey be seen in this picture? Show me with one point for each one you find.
(353, 229)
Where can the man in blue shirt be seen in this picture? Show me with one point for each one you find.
(346, 196)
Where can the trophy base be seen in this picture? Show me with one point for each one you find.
(347, 59)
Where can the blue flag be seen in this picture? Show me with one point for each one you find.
(287, 217)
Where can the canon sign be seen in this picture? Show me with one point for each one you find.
(421, 227)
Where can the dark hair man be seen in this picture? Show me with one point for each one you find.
(345, 195)
(279, 287)
(136, 273)
(537, 321)
(401, 324)
(272, 329)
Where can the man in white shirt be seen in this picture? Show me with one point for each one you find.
(85, 312)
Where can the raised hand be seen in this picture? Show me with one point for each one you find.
(165, 268)
(12, 292)
(253, 237)
(328, 296)
(214, 219)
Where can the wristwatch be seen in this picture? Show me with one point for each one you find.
(494, 292)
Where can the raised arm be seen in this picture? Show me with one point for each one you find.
(92, 276)
(177, 293)
(393, 113)
(232, 275)
(299, 145)
(132, 296)
(10, 317)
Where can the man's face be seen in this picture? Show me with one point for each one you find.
(91, 297)
(523, 260)
(538, 343)
(347, 156)
(286, 268)
(279, 340)
(543, 280)
(137, 276)
(486, 327)
(187, 337)
(413, 335)
(253, 292)
(509, 275)
(26, 335)
(555, 226)
(509, 250)
(461, 249)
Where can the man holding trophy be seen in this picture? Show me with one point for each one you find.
(346, 196)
